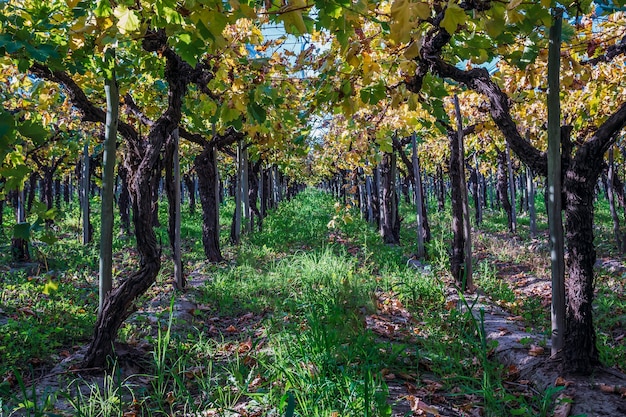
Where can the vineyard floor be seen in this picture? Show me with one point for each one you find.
(329, 320)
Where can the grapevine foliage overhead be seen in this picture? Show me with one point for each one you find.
(332, 103)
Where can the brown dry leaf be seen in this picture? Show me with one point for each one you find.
(535, 350)
(245, 317)
(607, 388)
(390, 376)
(562, 382)
(170, 398)
(232, 329)
(432, 386)
(194, 372)
(245, 346)
(513, 371)
(249, 361)
(407, 377)
(564, 406)
(419, 406)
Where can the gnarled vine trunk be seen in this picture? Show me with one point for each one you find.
(191, 189)
(390, 218)
(205, 166)
(457, 255)
(580, 349)
(123, 202)
(503, 188)
(141, 160)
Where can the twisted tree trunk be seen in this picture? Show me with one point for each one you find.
(503, 188)
(205, 167)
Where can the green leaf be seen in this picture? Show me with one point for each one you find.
(257, 112)
(22, 231)
(48, 238)
(33, 130)
(103, 9)
(374, 93)
(7, 127)
(50, 287)
(385, 143)
(452, 18)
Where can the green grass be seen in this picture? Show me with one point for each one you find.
(299, 294)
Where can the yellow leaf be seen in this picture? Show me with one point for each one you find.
(412, 51)
(420, 10)
(453, 17)
(71, 3)
(294, 17)
(513, 16)
(50, 287)
(513, 4)
(77, 41)
(404, 18)
(127, 20)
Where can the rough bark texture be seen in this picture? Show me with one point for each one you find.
(204, 164)
(32, 188)
(191, 189)
(253, 191)
(123, 201)
(580, 177)
(580, 350)
(410, 178)
(502, 188)
(457, 255)
(390, 221)
(66, 190)
(474, 185)
(141, 161)
(170, 190)
(154, 186)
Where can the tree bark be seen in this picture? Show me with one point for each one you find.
(580, 349)
(66, 189)
(503, 188)
(123, 201)
(254, 172)
(154, 186)
(457, 254)
(190, 184)
(468, 281)
(612, 206)
(205, 166)
(141, 162)
(513, 215)
(32, 188)
(172, 189)
(389, 222)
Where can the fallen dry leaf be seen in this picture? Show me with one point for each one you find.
(419, 406)
(562, 382)
(535, 350)
(564, 406)
(231, 329)
(245, 346)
